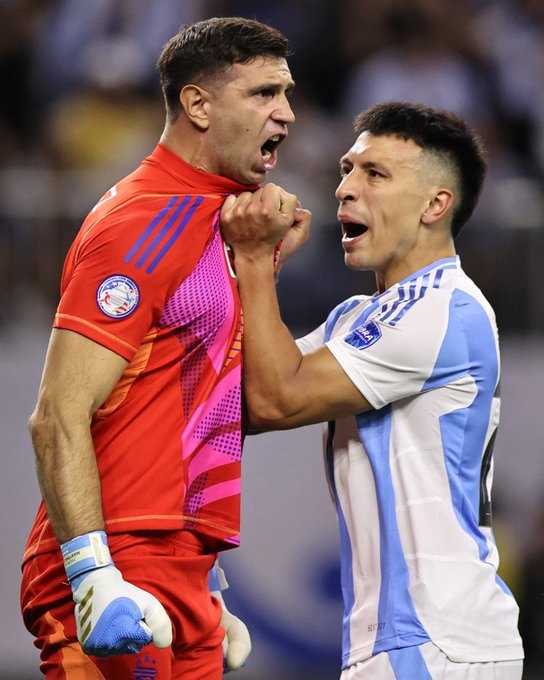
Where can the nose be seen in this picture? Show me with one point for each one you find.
(346, 190)
(284, 113)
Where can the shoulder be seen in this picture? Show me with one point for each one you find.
(469, 345)
(133, 210)
(468, 296)
(472, 320)
(135, 223)
(418, 303)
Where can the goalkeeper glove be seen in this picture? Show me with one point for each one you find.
(112, 615)
(237, 643)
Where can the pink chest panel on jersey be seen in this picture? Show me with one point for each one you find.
(204, 310)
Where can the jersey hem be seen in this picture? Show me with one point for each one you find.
(143, 523)
(495, 654)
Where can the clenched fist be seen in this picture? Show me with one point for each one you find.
(257, 222)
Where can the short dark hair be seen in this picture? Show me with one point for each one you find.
(441, 132)
(207, 47)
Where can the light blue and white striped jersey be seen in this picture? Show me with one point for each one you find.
(412, 478)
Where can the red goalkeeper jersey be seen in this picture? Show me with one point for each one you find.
(148, 277)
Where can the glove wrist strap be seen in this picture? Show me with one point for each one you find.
(85, 553)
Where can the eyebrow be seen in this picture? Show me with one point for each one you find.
(277, 87)
(367, 165)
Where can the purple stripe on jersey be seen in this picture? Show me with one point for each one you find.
(412, 302)
(185, 221)
(394, 305)
(162, 233)
(147, 231)
(438, 275)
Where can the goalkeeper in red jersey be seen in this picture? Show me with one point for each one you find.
(137, 428)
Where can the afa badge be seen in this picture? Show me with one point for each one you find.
(365, 336)
(118, 296)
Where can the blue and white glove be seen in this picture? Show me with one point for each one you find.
(112, 615)
(237, 642)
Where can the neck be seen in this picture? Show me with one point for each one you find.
(182, 139)
(398, 271)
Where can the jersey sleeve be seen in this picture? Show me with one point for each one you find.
(119, 275)
(318, 337)
(390, 362)
(312, 341)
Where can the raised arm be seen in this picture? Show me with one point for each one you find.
(283, 388)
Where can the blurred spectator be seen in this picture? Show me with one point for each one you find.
(415, 64)
(512, 34)
(106, 42)
(82, 106)
(512, 196)
(312, 29)
(363, 25)
(19, 126)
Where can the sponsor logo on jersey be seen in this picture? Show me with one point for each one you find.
(365, 336)
(118, 296)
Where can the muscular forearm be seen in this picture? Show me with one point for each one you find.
(271, 356)
(67, 473)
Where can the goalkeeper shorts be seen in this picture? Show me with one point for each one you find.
(171, 565)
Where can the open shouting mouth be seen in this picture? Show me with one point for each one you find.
(269, 151)
(351, 230)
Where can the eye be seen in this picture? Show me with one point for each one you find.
(266, 93)
(344, 170)
(374, 174)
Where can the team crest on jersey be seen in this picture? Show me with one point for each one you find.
(118, 296)
(365, 336)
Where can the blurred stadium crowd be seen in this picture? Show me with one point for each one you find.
(81, 107)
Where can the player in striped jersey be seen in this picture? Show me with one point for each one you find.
(137, 429)
(408, 379)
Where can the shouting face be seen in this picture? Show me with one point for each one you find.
(249, 113)
(382, 196)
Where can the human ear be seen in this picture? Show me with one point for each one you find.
(437, 207)
(194, 102)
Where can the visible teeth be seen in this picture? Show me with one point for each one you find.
(275, 138)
